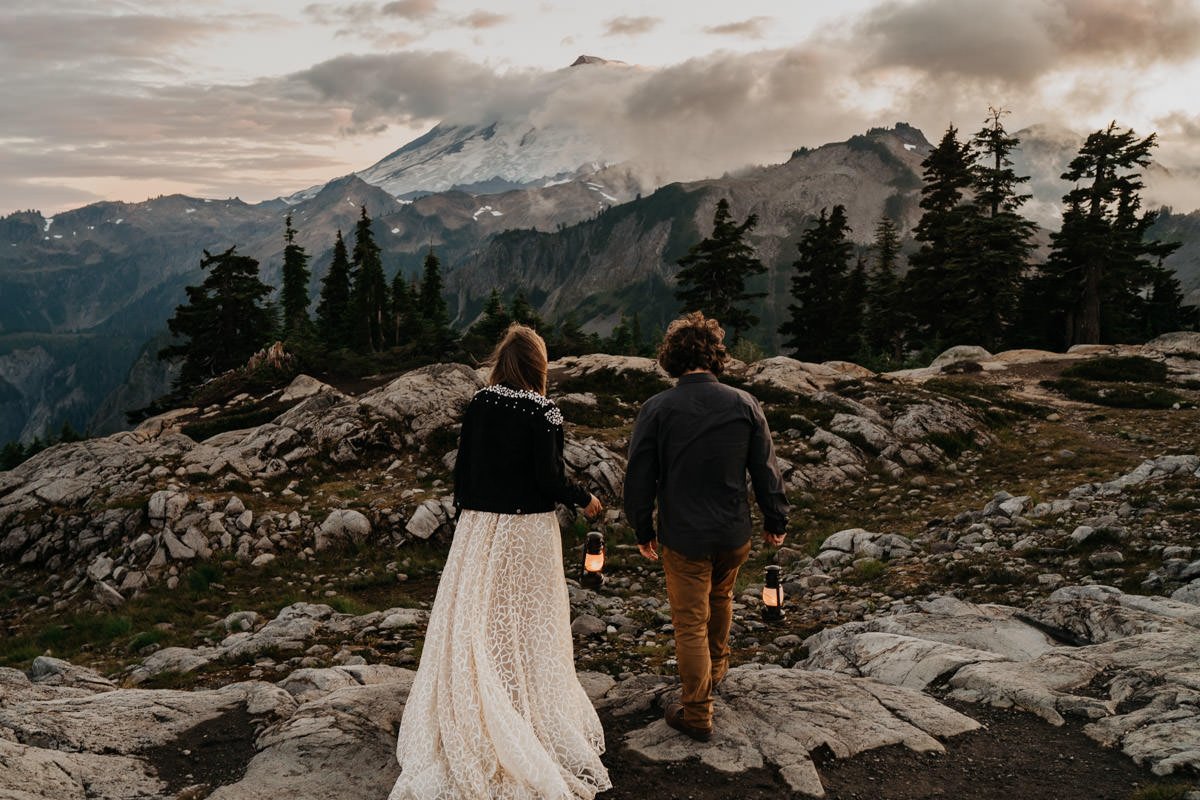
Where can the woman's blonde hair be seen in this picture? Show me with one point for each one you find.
(520, 360)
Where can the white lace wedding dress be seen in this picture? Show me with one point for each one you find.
(496, 710)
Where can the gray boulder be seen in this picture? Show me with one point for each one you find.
(342, 526)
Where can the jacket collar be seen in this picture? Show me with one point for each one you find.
(697, 377)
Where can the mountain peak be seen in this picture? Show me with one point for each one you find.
(586, 59)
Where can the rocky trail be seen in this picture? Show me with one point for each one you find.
(993, 589)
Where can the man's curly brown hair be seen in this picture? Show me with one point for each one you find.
(693, 342)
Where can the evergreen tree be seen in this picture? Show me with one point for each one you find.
(294, 295)
(1100, 268)
(620, 343)
(713, 274)
(481, 338)
(524, 312)
(334, 325)
(1163, 310)
(11, 456)
(935, 283)
(369, 294)
(570, 340)
(67, 433)
(1000, 243)
(853, 311)
(815, 328)
(437, 336)
(225, 321)
(406, 319)
(883, 325)
(635, 333)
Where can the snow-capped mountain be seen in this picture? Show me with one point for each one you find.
(484, 159)
(495, 156)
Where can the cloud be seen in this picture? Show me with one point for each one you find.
(122, 104)
(751, 28)
(630, 26)
(342, 13)
(479, 19)
(410, 9)
(41, 40)
(1019, 41)
(39, 195)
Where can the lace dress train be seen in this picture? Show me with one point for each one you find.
(496, 710)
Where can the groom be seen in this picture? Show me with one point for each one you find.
(691, 448)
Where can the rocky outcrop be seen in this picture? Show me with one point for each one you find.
(290, 633)
(1132, 677)
(339, 744)
(780, 716)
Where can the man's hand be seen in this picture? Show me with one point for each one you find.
(773, 539)
(648, 550)
(594, 507)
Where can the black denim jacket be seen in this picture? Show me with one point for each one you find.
(510, 455)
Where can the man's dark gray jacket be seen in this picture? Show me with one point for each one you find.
(691, 448)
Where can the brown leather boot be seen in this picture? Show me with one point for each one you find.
(674, 718)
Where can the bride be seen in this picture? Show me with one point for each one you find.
(496, 710)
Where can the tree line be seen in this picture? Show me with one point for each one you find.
(361, 322)
(229, 316)
(972, 278)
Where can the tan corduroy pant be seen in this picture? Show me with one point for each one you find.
(701, 595)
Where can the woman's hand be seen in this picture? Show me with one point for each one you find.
(594, 507)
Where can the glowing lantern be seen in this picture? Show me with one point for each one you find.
(772, 596)
(593, 561)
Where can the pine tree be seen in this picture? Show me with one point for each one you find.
(524, 312)
(1100, 267)
(1163, 310)
(438, 337)
(713, 274)
(570, 340)
(406, 319)
(369, 293)
(1000, 243)
(934, 285)
(884, 319)
(225, 321)
(294, 295)
(635, 333)
(815, 329)
(334, 324)
(851, 320)
(481, 338)
(620, 343)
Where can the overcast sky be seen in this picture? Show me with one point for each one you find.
(126, 99)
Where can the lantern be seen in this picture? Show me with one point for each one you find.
(772, 596)
(593, 561)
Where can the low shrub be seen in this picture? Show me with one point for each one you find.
(1124, 368)
(1125, 395)
(145, 639)
(202, 576)
(952, 444)
(869, 569)
(239, 420)
(631, 385)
